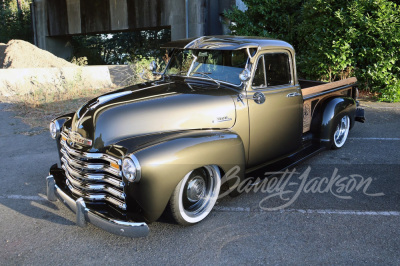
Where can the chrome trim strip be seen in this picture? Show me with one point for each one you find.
(92, 177)
(122, 228)
(95, 187)
(83, 179)
(96, 197)
(88, 166)
(87, 155)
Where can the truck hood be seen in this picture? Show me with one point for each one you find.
(153, 108)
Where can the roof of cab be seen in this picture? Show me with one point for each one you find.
(226, 42)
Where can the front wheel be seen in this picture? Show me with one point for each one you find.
(195, 195)
(341, 131)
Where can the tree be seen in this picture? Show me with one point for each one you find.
(120, 48)
(334, 39)
(15, 19)
(19, 6)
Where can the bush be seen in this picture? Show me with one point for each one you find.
(267, 18)
(334, 39)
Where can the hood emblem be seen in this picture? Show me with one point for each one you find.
(77, 138)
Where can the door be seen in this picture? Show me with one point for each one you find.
(275, 109)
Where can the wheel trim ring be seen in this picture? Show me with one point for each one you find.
(209, 201)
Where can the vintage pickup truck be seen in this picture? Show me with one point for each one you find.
(164, 145)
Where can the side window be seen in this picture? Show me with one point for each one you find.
(259, 79)
(277, 67)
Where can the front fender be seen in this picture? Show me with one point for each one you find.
(60, 122)
(164, 164)
(331, 110)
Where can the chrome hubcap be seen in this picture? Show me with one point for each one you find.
(342, 131)
(196, 189)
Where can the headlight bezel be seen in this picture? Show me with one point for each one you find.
(134, 174)
(54, 129)
(59, 123)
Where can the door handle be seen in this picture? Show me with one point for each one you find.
(293, 94)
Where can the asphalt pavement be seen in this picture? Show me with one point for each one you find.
(339, 207)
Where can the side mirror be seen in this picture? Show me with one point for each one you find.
(153, 66)
(245, 75)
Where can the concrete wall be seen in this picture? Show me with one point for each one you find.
(27, 80)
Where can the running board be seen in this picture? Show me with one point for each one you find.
(286, 162)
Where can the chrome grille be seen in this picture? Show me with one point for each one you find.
(91, 176)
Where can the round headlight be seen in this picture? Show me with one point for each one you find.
(53, 130)
(129, 169)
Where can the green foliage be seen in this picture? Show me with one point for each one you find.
(120, 48)
(334, 39)
(140, 68)
(267, 18)
(15, 24)
(80, 61)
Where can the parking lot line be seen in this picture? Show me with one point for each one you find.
(248, 209)
(318, 211)
(20, 197)
(391, 139)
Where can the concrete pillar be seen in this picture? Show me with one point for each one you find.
(174, 15)
(118, 14)
(74, 21)
(197, 12)
(59, 46)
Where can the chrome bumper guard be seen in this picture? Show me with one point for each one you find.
(84, 215)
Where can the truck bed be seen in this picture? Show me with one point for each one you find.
(314, 92)
(312, 88)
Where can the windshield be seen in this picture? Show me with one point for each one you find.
(218, 65)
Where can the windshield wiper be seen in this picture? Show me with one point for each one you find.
(206, 74)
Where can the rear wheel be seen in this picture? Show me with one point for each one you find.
(195, 195)
(340, 132)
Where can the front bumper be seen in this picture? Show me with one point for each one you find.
(84, 214)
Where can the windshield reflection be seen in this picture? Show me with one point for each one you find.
(221, 65)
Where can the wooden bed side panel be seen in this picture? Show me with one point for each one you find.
(320, 88)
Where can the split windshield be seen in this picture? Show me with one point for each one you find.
(220, 65)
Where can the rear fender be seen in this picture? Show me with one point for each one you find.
(165, 164)
(331, 109)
